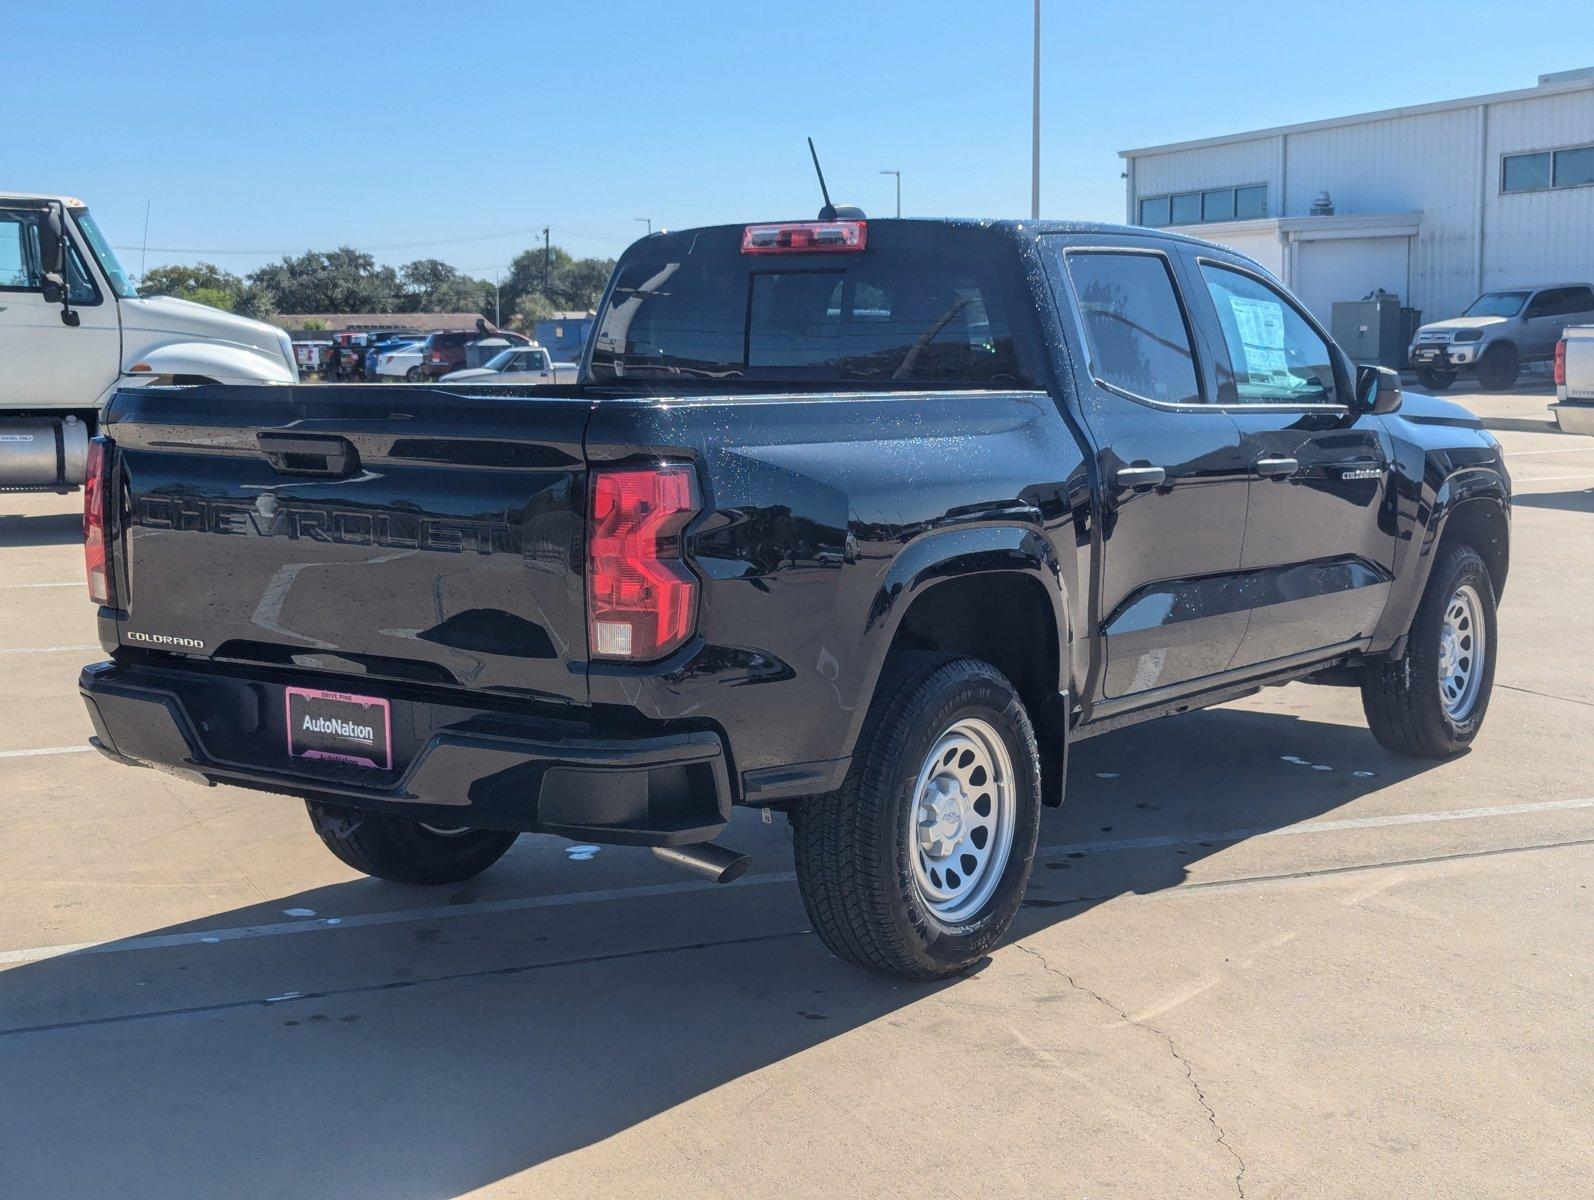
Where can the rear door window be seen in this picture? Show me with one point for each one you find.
(1139, 339)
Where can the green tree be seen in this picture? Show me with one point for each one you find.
(344, 280)
(431, 285)
(558, 281)
(184, 281)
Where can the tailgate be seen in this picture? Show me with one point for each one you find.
(387, 531)
(1580, 364)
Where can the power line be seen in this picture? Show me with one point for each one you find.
(535, 231)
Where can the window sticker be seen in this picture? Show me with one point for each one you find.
(1261, 327)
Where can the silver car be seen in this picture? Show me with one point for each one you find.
(1498, 333)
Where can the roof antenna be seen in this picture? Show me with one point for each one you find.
(831, 212)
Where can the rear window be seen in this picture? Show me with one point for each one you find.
(923, 303)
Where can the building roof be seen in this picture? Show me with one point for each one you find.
(1549, 85)
(573, 315)
(427, 322)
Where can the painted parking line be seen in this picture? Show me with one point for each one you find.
(50, 649)
(43, 750)
(334, 923)
(17, 587)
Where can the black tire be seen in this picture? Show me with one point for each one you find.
(1435, 381)
(404, 850)
(1403, 700)
(853, 848)
(1498, 368)
(413, 375)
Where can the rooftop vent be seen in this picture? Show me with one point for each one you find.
(1323, 206)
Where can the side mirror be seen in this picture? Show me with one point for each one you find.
(1377, 389)
(52, 253)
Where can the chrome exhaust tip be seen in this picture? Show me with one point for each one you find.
(708, 859)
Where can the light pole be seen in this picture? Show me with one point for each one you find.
(898, 174)
(647, 221)
(1035, 126)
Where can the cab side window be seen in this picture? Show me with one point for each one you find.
(19, 251)
(1139, 339)
(1275, 356)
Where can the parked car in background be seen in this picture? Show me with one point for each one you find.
(1499, 333)
(529, 364)
(401, 362)
(386, 343)
(1574, 380)
(311, 357)
(445, 352)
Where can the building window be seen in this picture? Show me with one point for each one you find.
(1525, 172)
(1218, 205)
(1154, 212)
(1547, 169)
(1250, 202)
(1574, 168)
(1196, 208)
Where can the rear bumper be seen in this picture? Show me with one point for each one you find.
(1574, 416)
(480, 768)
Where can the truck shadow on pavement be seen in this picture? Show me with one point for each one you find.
(46, 529)
(426, 1058)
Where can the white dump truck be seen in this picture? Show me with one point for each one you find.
(73, 328)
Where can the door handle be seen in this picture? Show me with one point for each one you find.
(308, 454)
(1139, 477)
(1276, 468)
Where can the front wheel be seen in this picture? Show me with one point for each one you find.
(918, 864)
(1435, 381)
(1430, 704)
(1498, 368)
(405, 850)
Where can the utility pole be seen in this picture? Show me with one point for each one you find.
(143, 258)
(547, 260)
(1035, 126)
(498, 308)
(649, 221)
(898, 174)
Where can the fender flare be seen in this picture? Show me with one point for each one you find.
(945, 555)
(224, 362)
(1462, 486)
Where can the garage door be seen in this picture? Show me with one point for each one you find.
(1348, 269)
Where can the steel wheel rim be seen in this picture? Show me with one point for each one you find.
(960, 821)
(1463, 643)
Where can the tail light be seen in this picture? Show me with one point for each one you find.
(1560, 363)
(641, 598)
(805, 237)
(96, 511)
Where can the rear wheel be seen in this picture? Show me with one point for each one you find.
(1498, 368)
(413, 375)
(1435, 381)
(917, 865)
(1430, 704)
(405, 850)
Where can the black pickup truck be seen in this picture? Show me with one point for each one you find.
(863, 521)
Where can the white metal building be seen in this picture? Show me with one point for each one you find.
(1434, 203)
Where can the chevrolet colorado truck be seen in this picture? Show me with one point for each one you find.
(866, 521)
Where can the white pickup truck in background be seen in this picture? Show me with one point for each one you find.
(1574, 380)
(73, 328)
(518, 364)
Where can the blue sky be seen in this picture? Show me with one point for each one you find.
(453, 122)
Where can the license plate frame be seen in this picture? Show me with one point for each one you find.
(342, 727)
